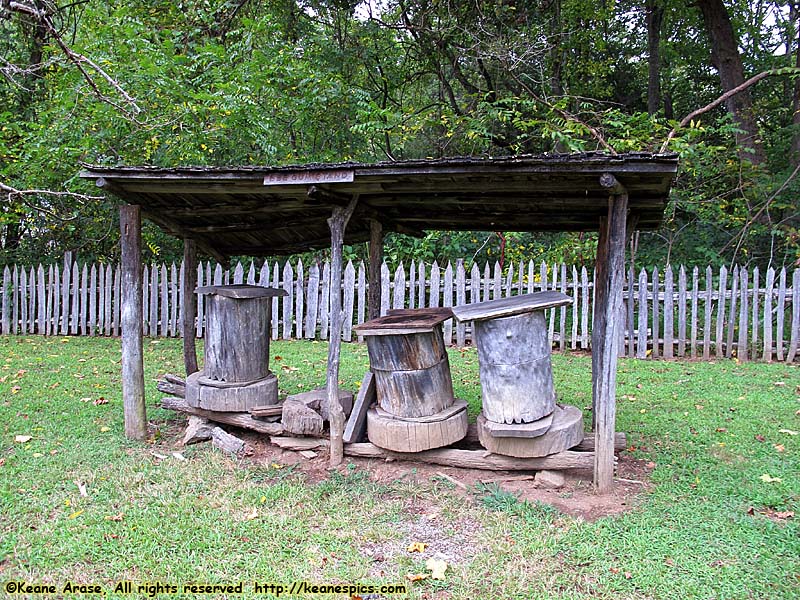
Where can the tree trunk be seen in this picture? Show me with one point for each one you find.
(655, 17)
(794, 16)
(726, 59)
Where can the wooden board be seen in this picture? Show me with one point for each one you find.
(515, 305)
(400, 321)
(565, 432)
(408, 436)
(356, 427)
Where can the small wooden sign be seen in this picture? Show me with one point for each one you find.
(309, 177)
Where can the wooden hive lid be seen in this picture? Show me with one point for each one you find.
(240, 291)
(508, 307)
(405, 320)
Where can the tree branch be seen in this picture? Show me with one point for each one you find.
(738, 89)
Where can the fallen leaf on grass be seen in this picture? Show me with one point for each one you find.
(416, 576)
(21, 439)
(15, 389)
(289, 369)
(779, 383)
(179, 456)
(721, 430)
(779, 447)
(437, 567)
(417, 547)
(767, 478)
(104, 429)
(117, 517)
(2, 461)
(785, 514)
(787, 431)
(76, 514)
(760, 437)
(100, 401)
(81, 488)
(252, 514)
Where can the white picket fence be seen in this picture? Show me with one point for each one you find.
(687, 313)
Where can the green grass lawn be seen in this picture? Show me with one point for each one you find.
(714, 523)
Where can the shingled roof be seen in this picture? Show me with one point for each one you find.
(261, 211)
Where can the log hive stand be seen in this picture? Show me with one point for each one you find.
(416, 408)
(236, 375)
(520, 416)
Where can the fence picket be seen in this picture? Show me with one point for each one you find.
(41, 301)
(92, 301)
(707, 314)
(84, 299)
(447, 300)
(744, 315)
(299, 304)
(574, 337)
(768, 285)
(779, 315)
(732, 312)
(723, 284)
(682, 312)
(433, 298)
(461, 300)
(641, 339)
(755, 320)
(669, 311)
(288, 299)
(349, 300)
(386, 299)
(399, 296)
(312, 295)
(174, 300)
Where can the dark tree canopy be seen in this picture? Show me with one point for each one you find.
(233, 82)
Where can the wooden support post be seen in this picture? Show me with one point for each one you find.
(337, 224)
(189, 311)
(130, 220)
(375, 261)
(605, 340)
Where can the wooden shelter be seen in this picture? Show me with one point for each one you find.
(263, 211)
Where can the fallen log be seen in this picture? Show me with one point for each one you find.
(466, 459)
(299, 419)
(227, 442)
(173, 385)
(199, 429)
(243, 420)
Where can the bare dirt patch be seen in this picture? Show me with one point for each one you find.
(576, 498)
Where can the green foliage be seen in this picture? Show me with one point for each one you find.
(229, 83)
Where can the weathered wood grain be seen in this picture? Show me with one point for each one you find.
(565, 432)
(356, 427)
(682, 312)
(767, 320)
(669, 312)
(348, 301)
(515, 370)
(189, 313)
(133, 398)
(299, 419)
(723, 288)
(507, 307)
(243, 420)
(741, 346)
(610, 280)
(299, 303)
(414, 436)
